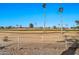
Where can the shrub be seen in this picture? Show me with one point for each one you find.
(5, 38)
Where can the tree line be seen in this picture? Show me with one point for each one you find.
(31, 25)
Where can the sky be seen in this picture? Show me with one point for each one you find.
(12, 14)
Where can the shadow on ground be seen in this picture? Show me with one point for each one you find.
(72, 49)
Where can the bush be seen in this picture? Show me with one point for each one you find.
(5, 38)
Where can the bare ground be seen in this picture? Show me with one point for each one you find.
(34, 43)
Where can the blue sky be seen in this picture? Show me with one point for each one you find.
(25, 13)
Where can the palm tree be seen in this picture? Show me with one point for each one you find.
(44, 7)
(60, 10)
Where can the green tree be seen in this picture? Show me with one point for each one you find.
(77, 24)
(9, 27)
(1, 27)
(54, 27)
(31, 25)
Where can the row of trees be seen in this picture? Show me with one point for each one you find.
(31, 25)
(8, 27)
(17, 26)
(55, 27)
